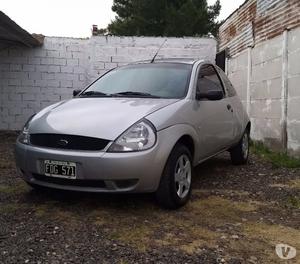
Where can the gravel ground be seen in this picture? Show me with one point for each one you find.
(236, 215)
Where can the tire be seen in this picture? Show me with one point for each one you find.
(240, 153)
(175, 188)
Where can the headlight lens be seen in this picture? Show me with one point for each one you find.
(140, 136)
(24, 136)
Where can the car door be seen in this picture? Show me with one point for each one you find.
(237, 107)
(215, 122)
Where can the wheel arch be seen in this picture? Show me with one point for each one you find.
(187, 141)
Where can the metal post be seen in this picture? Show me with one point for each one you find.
(284, 93)
(249, 71)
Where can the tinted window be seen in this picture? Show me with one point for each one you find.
(166, 80)
(228, 85)
(208, 80)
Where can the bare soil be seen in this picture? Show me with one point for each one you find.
(236, 215)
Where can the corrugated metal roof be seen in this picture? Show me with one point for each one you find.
(256, 21)
(13, 34)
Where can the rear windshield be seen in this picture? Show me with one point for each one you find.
(163, 80)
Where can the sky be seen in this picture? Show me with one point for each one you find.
(73, 18)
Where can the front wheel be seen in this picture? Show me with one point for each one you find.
(175, 186)
(240, 153)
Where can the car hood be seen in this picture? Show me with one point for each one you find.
(105, 118)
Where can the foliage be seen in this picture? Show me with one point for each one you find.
(174, 18)
(278, 159)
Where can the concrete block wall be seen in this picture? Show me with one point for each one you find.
(31, 79)
(293, 83)
(266, 104)
(262, 88)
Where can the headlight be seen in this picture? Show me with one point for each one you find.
(24, 136)
(141, 136)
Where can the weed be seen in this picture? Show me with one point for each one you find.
(278, 159)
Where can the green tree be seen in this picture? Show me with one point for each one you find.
(175, 18)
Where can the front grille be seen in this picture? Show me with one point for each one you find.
(69, 142)
(67, 182)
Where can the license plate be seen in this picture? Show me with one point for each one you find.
(60, 169)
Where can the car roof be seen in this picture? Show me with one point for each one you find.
(190, 61)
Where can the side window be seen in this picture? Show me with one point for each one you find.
(228, 85)
(208, 80)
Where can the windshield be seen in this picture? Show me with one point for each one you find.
(144, 80)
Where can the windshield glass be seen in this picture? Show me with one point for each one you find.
(144, 80)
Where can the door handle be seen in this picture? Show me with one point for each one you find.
(229, 107)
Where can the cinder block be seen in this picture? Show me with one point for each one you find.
(268, 89)
(48, 76)
(14, 82)
(72, 62)
(263, 128)
(28, 68)
(110, 65)
(52, 53)
(15, 67)
(34, 61)
(66, 69)
(53, 83)
(53, 68)
(294, 40)
(66, 84)
(29, 97)
(14, 97)
(271, 109)
(79, 69)
(60, 61)
(294, 86)
(47, 61)
(294, 63)
(34, 76)
(27, 82)
(293, 109)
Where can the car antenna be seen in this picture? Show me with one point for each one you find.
(158, 50)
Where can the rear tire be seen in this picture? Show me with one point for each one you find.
(175, 185)
(240, 153)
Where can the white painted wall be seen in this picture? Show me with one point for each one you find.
(267, 89)
(31, 79)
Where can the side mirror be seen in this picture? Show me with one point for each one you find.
(76, 92)
(210, 95)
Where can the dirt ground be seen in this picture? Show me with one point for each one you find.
(236, 215)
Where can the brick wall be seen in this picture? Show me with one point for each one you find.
(31, 79)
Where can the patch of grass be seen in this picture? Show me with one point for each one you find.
(295, 184)
(273, 234)
(278, 159)
(19, 187)
(294, 201)
(11, 208)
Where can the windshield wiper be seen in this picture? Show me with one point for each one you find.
(132, 94)
(95, 93)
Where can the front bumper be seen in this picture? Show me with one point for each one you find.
(96, 171)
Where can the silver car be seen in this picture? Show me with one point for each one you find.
(138, 128)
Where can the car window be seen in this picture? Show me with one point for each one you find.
(164, 80)
(208, 80)
(228, 85)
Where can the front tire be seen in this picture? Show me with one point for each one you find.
(175, 185)
(240, 153)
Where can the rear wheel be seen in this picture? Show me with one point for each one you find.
(240, 153)
(175, 186)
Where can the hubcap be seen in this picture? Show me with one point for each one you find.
(245, 145)
(183, 175)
